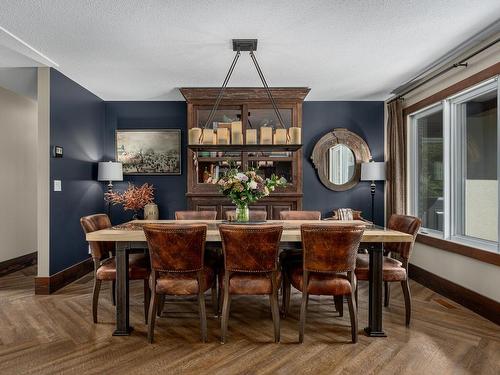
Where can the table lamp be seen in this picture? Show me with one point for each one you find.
(373, 171)
(110, 171)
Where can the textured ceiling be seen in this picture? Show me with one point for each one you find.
(145, 50)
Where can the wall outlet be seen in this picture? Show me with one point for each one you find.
(57, 185)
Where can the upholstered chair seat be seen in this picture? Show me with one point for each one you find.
(393, 269)
(324, 284)
(138, 268)
(182, 284)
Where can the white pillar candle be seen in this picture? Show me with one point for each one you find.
(236, 133)
(208, 136)
(251, 136)
(194, 136)
(295, 135)
(266, 136)
(280, 137)
(222, 136)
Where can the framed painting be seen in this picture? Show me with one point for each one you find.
(149, 151)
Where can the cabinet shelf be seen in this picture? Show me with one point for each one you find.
(247, 148)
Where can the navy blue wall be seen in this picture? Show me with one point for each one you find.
(169, 190)
(363, 118)
(76, 124)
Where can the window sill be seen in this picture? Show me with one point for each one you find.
(458, 248)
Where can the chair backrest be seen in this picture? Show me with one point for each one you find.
(176, 247)
(99, 249)
(250, 248)
(195, 215)
(330, 247)
(254, 215)
(300, 215)
(406, 224)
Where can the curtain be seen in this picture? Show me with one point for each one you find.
(397, 157)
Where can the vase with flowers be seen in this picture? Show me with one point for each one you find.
(244, 188)
(133, 199)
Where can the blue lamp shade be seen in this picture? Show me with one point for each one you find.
(373, 171)
(110, 171)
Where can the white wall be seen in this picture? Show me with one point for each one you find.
(472, 274)
(18, 146)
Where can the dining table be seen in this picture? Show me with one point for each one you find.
(130, 235)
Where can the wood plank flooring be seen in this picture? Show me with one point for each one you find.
(54, 334)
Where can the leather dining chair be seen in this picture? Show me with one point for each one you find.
(177, 267)
(250, 267)
(254, 215)
(195, 215)
(292, 255)
(393, 269)
(105, 265)
(328, 267)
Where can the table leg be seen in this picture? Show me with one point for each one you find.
(374, 328)
(122, 295)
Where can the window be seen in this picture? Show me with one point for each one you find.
(454, 167)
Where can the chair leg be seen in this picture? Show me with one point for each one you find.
(225, 313)
(387, 293)
(354, 317)
(275, 310)
(152, 316)
(214, 298)
(161, 304)
(303, 309)
(113, 292)
(407, 296)
(339, 304)
(147, 298)
(203, 316)
(287, 290)
(95, 298)
(356, 294)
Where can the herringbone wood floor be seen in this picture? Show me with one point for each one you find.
(54, 335)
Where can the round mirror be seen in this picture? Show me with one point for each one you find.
(337, 157)
(341, 164)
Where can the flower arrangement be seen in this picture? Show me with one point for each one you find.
(247, 187)
(132, 199)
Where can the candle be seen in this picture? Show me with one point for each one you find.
(280, 137)
(222, 136)
(194, 136)
(266, 136)
(214, 138)
(208, 136)
(251, 136)
(295, 135)
(236, 133)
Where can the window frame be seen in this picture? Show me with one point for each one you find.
(452, 134)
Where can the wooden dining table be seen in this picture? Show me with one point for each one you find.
(130, 235)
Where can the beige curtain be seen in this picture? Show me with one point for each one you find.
(396, 161)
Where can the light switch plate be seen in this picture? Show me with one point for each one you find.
(57, 185)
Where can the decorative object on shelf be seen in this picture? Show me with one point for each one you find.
(373, 171)
(244, 188)
(133, 199)
(207, 137)
(295, 135)
(236, 133)
(194, 136)
(251, 137)
(280, 136)
(149, 152)
(109, 171)
(151, 211)
(222, 136)
(266, 135)
(338, 156)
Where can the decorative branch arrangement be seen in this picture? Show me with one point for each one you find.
(132, 199)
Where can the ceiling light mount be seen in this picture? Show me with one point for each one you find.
(244, 45)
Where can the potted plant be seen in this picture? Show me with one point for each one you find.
(244, 188)
(133, 199)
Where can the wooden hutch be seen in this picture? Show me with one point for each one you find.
(252, 107)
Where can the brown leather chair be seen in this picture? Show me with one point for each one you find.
(292, 255)
(105, 265)
(393, 269)
(255, 215)
(328, 267)
(177, 267)
(250, 267)
(195, 215)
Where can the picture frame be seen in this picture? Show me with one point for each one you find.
(149, 151)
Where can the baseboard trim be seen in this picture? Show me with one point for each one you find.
(484, 306)
(16, 264)
(50, 284)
